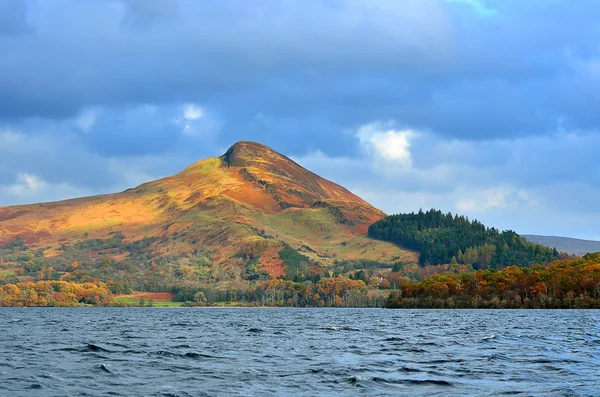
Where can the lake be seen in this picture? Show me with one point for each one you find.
(300, 352)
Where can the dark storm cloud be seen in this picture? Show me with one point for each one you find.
(424, 63)
(267, 51)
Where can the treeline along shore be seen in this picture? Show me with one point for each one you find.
(564, 284)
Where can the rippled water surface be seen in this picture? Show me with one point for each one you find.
(257, 352)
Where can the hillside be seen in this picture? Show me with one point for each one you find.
(569, 245)
(446, 238)
(249, 213)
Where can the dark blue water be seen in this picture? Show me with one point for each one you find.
(300, 352)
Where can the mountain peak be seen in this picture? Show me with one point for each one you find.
(248, 145)
(248, 153)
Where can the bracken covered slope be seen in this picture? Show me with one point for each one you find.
(250, 202)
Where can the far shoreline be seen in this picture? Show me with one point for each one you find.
(301, 308)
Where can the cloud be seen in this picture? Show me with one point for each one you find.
(190, 57)
(496, 197)
(26, 183)
(386, 144)
(31, 188)
(86, 118)
(196, 121)
(191, 111)
(417, 61)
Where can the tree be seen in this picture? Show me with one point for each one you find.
(199, 297)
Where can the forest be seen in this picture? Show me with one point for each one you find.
(562, 284)
(445, 238)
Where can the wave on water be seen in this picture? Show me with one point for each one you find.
(295, 352)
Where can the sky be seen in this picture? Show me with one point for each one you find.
(487, 108)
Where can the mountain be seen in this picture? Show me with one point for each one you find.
(248, 212)
(566, 244)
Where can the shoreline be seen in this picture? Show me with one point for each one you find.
(300, 308)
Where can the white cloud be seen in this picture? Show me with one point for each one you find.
(195, 120)
(191, 111)
(25, 184)
(386, 144)
(30, 188)
(477, 200)
(86, 119)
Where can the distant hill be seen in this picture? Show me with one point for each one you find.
(566, 244)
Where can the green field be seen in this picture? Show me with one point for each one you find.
(131, 301)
